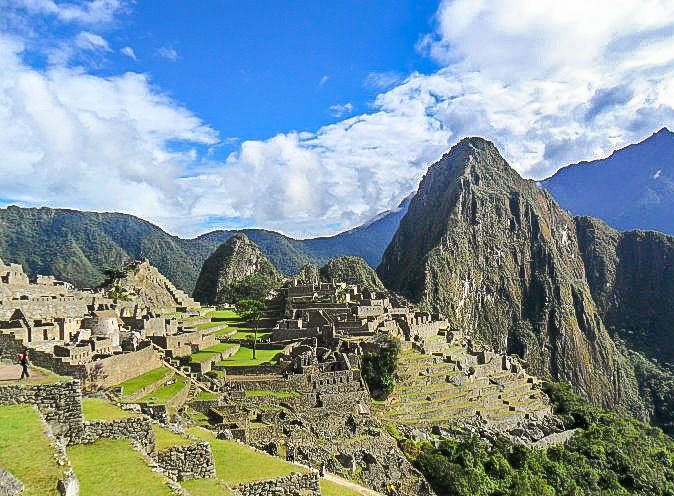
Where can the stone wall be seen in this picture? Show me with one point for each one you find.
(60, 404)
(192, 461)
(294, 484)
(138, 429)
(119, 368)
(44, 308)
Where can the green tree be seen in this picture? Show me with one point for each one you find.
(379, 368)
(251, 310)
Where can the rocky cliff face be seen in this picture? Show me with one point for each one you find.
(497, 255)
(631, 276)
(352, 270)
(238, 262)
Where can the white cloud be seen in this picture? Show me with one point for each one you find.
(382, 80)
(168, 53)
(90, 41)
(84, 12)
(341, 109)
(75, 140)
(323, 80)
(551, 83)
(129, 52)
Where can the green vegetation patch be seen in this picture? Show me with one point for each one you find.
(329, 488)
(244, 357)
(26, 451)
(132, 386)
(206, 487)
(236, 463)
(165, 393)
(206, 396)
(165, 438)
(208, 353)
(112, 468)
(379, 368)
(609, 455)
(223, 314)
(275, 394)
(100, 409)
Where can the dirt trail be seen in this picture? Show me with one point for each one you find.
(350, 485)
(11, 373)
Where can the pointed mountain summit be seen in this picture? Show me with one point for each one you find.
(631, 189)
(501, 260)
(351, 270)
(235, 270)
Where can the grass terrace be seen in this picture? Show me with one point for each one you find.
(244, 357)
(329, 488)
(26, 451)
(101, 467)
(206, 487)
(167, 439)
(134, 385)
(206, 396)
(208, 353)
(236, 463)
(100, 409)
(162, 395)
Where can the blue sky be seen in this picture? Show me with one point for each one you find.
(310, 117)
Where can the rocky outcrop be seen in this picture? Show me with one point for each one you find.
(351, 270)
(236, 264)
(502, 261)
(141, 282)
(9, 485)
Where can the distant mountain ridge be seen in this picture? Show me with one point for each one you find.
(76, 246)
(631, 189)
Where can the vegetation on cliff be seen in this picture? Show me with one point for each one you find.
(609, 455)
(236, 270)
(351, 270)
(379, 367)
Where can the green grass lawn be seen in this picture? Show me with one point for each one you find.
(208, 325)
(132, 386)
(162, 395)
(236, 463)
(206, 487)
(245, 357)
(275, 394)
(207, 353)
(329, 488)
(206, 396)
(26, 452)
(165, 438)
(99, 409)
(223, 314)
(250, 334)
(112, 468)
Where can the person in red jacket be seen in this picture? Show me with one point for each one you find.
(23, 360)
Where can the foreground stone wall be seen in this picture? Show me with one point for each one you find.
(118, 368)
(138, 429)
(294, 484)
(192, 461)
(60, 404)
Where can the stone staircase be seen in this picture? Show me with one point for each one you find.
(453, 383)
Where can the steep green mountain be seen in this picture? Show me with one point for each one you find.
(233, 270)
(631, 189)
(76, 246)
(352, 270)
(309, 274)
(501, 260)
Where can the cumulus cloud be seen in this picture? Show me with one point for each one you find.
(550, 82)
(129, 52)
(168, 53)
(85, 12)
(70, 139)
(341, 109)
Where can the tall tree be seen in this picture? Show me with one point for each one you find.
(251, 310)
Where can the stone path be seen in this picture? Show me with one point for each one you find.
(350, 485)
(10, 373)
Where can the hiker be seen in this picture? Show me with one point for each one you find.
(391, 489)
(23, 360)
(321, 471)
